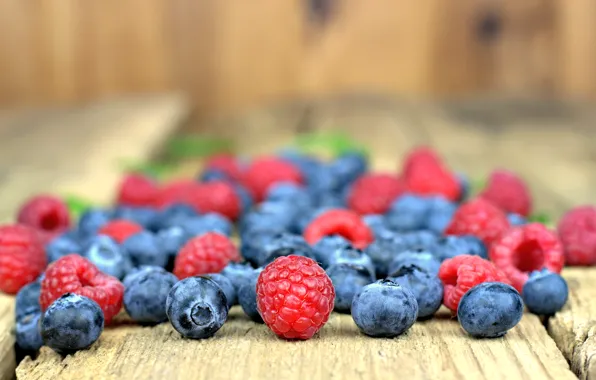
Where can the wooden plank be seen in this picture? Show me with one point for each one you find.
(74, 151)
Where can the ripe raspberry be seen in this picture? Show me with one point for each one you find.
(216, 196)
(294, 297)
(423, 156)
(120, 229)
(45, 213)
(226, 164)
(373, 193)
(178, 191)
(22, 257)
(509, 192)
(208, 253)
(524, 249)
(137, 190)
(264, 172)
(425, 174)
(577, 232)
(462, 273)
(480, 218)
(339, 222)
(75, 274)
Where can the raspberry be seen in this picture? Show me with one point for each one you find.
(120, 229)
(22, 257)
(577, 231)
(226, 164)
(45, 213)
(420, 156)
(175, 192)
(264, 172)
(462, 273)
(339, 222)
(373, 193)
(479, 218)
(218, 197)
(509, 192)
(524, 249)
(425, 174)
(208, 253)
(75, 274)
(294, 297)
(137, 190)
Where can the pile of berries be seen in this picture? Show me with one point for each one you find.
(315, 236)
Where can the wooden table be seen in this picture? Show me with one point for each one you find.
(550, 144)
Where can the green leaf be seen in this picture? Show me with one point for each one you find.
(477, 185)
(153, 169)
(77, 205)
(196, 146)
(540, 217)
(335, 143)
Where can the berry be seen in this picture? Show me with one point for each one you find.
(339, 222)
(208, 253)
(108, 256)
(141, 271)
(145, 296)
(426, 287)
(171, 240)
(348, 167)
(143, 216)
(424, 174)
(253, 244)
(524, 249)
(577, 231)
(62, 245)
(420, 156)
(462, 273)
(226, 164)
(119, 229)
(291, 193)
(348, 280)
(210, 222)
(417, 257)
(196, 307)
(28, 335)
(516, 219)
(92, 220)
(143, 249)
(27, 300)
(545, 292)
(480, 218)
(373, 193)
(45, 213)
(508, 192)
(22, 257)
(173, 216)
(294, 297)
(384, 249)
(325, 247)
(71, 323)
(238, 273)
(450, 246)
(377, 223)
(247, 297)
(209, 175)
(490, 309)
(354, 256)
(464, 187)
(409, 212)
(262, 173)
(440, 214)
(246, 201)
(137, 190)
(75, 274)
(384, 309)
(284, 244)
(226, 286)
(280, 217)
(422, 239)
(177, 192)
(217, 197)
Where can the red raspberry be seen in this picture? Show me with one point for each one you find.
(22, 257)
(425, 174)
(208, 253)
(509, 192)
(45, 213)
(339, 222)
(137, 190)
(265, 172)
(179, 191)
(75, 274)
(216, 196)
(294, 297)
(480, 218)
(420, 156)
(524, 249)
(227, 164)
(462, 273)
(577, 232)
(373, 193)
(120, 229)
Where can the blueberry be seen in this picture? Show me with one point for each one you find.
(348, 280)
(238, 274)
(28, 335)
(143, 216)
(27, 300)
(351, 255)
(247, 297)
(420, 258)
(226, 285)
(383, 250)
(108, 256)
(464, 186)
(277, 216)
(137, 272)
(143, 249)
(197, 307)
(384, 309)
(440, 214)
(285, 244)
(376, 223)
(348, 167)
(545, 292)
(308, 216)
(173, 216)
(408, 213)
(516, 219)
(253, 244)
(294, 194)
(145, 295)
(422, 239)
(326, 246)
(427, 288)
(490, 309)
(61, 246)
(92, 220)
(71, 323)
(210, 222)
(451, 246)
(212, 174)
(245, 197)
(171, 240)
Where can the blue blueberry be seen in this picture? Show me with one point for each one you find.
(490, 309)
(306, 217)
(247, 297)
(238, 274)
(348, 280)
(384, 309)
(226, 285)
(171, 240)
(212, 174)
(253, 244)
(440, 214)
(145, 295)
(61, 246)
(294, 194)
(326, 246)
(277, 216)
(351, 255)
(92, 220)
(27, 300)
(516, 219)
(348, 167)
(545, 292)
(210, 222)
(408, 213)
(28, 334)
(422, 239)
(376, 223)
(245, 198)
(464, 186)
(451, 246)
(173, 216)
(427, 288)
(384, 249)
(108, 256)
(143, 249)
(197, 307)
(284, 245)
(420, 258)
(143, 216)
(71, 323)
(138, 272)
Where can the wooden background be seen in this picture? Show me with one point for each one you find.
(231, 54)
